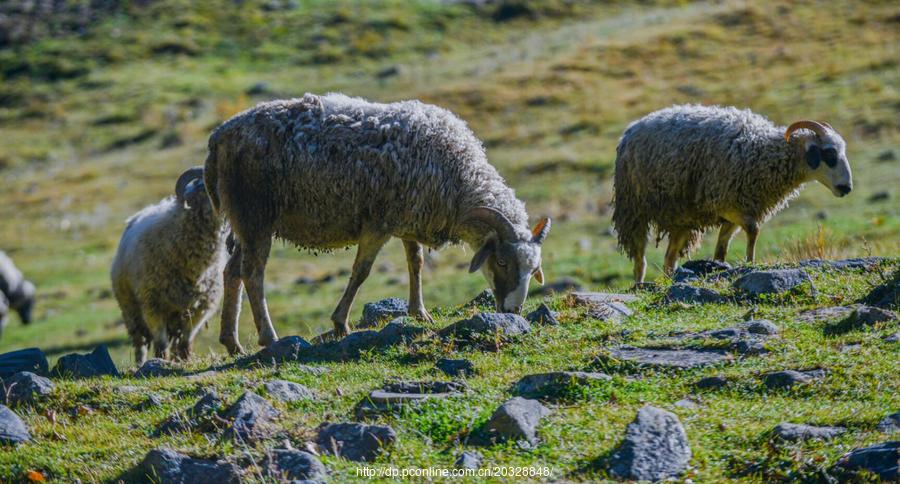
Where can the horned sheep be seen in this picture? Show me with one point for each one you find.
(16, 292)
(684, 169)
(167, 272)
(327, 172)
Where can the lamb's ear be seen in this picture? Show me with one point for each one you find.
(540, 231)
(482, 255)
(813, 156)
(539, 275)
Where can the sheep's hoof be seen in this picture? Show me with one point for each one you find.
(265, 339)
(234, 348)
(422, 315)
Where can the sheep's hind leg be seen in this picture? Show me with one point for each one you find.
(254, 255)
(640, 263)
(231, 303)
(752, 229)
(725, 235)
(369, 246)
(677, 239)
(415, 259)
(161, 345)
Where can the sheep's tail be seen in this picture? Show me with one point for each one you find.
(628, 217)
(210, 175)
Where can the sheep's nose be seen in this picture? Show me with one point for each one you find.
(844, 189)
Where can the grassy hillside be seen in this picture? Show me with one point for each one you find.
(100, 110)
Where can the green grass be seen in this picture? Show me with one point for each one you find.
(84, 120)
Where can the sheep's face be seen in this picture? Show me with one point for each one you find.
(827, 159)
(509, 267)
(195, 197)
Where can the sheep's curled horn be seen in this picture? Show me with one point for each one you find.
(814, 126)
(185, 178)
(493, 219)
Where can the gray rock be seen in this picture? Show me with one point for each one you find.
(401, 386)
(400, 331)
(887, 295)
(798, 432)
(824, 314)
(655, 447)
(789, 378)
(687, 404)
(684, 275)
(517, 420)
(703, 267)
(28, 359)
(559, 286)
(670, 357)
(880, 196)
(468, 460)
(870, 316)
(24, 388)
(165, 466)
(864, 263)
(383, 401)
(94, 364)
(887, 155)
(154, 367)
(288, 391)
(355, 343)
(12, 429)
(250, 417)
(556, 384)
(289, 464)
(487, 326)
(890, 424)
(711, 383)
(749, 347)
(375, 313)
(588, 299)
(543, 315)
(355, 441)
(311, 370)
(760, 327)
(776, 281)
(484, 298)
(207, 404)
(285, 349)
(450, 367)
(193, 418)
(893, 338)
(152, 401)
(879, 459)
(683, 293)
(611, 311)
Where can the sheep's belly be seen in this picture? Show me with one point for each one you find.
(320, 234)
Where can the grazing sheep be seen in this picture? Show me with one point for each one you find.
(167, 273)
(16, 291)
(327, 172)
(684, 169)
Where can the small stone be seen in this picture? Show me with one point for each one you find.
(517, 419)
(400, 331)
(870, 316)
(655, 447)
(12, 430)
(890, 424)
(154, 367)
(776, 281)
(311, 370)
(28, 359)
(543, 315)
(24, 388)
(611, 311)
(711, 383)
(94, 364)
(207, 404)
(166, 466)
(374, 313)
(488, 325)
(879, 196)
(594, 298)
(401, 386)
(285, 349)
(683, 293)
(798, 432)
(288, 391)
(455, 368)
(684, 275)
(824, 314)
(559, 286)
(250, 415)
(760, 327)
(687, 404)
(354, 441)
(670, 357)
(152, 401)
(193, 418)
(556, 384)
(893, 338)
(702, 267)
(879, 459)
(484, 298)
(887, 155)
(258, 88)
(789, 378)
(468, 460)
(749, 347)
(355, 343)
(384, 401)
(289, 464)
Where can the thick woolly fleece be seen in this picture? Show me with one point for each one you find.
(13, 285)
(167, 273)
(322, 170)
(683, 167)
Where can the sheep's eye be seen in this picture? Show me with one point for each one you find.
(830, 157)
(501, 262)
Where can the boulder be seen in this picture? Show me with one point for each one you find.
(154, 367)
(488, 326)
(775, 281)
(250, 416)
(354, 441)
(889, 424)
(94, 364)
(517, 420)
(29, 359)
(711, 383)
(288, 391)
(285, 349)
(655, 448)
(468, 460)
(543, 315)
(702, 267)
(374, 313)
(789, 432)
(670, 357)
(684, 293)
(165, 466)
(24, 388)
(879, 459)
(450, 367)
(555, 385)
(789, 378)
(288, 465)
(12, 429)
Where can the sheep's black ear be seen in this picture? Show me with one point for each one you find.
(813, 156)
(481, 255)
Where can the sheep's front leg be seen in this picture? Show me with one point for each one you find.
(231, 303)
(752, 229)
(369, 246)
(676, 244)
(254, 255)
(725, 235)
(415, 260)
